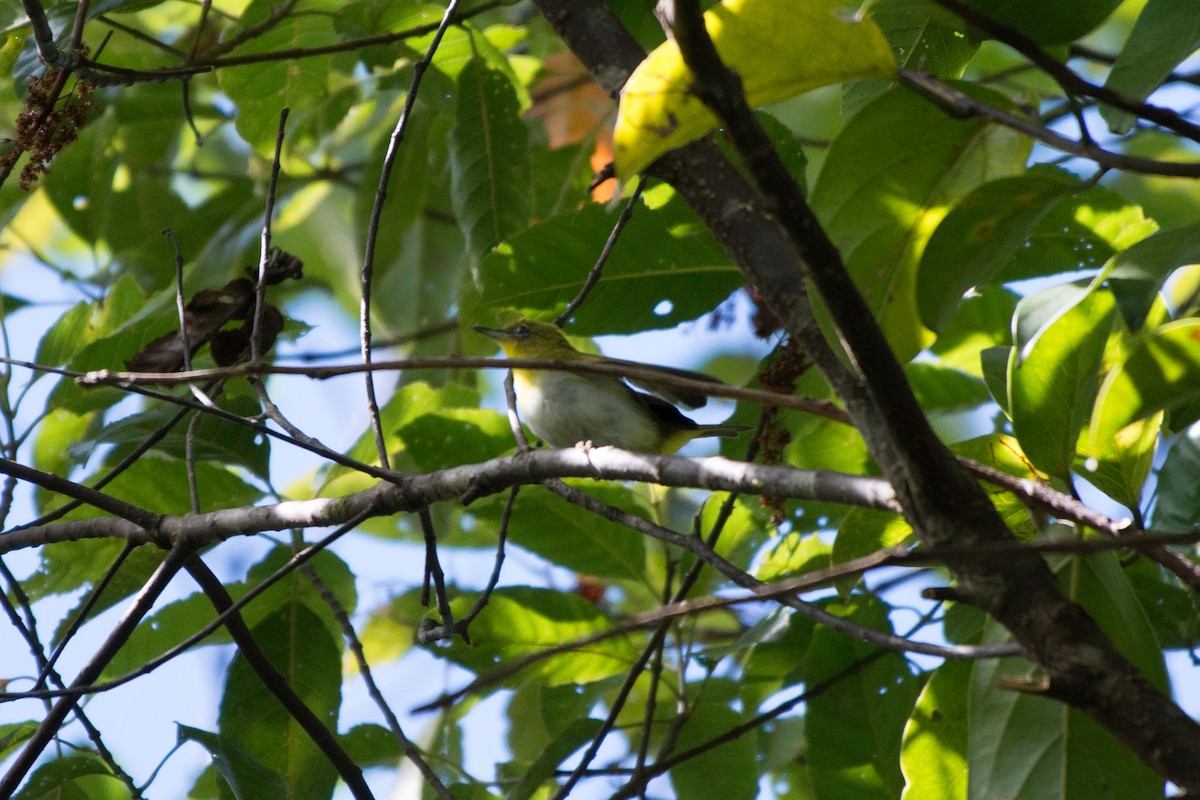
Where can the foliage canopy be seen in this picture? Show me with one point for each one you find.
(1004, 413)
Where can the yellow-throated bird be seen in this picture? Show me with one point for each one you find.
(565, 408)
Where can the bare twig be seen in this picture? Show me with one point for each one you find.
(264, 258)
(593, 275)
(364, 669)
(368, 265)
(49, 727)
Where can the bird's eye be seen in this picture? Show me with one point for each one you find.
(520, 330)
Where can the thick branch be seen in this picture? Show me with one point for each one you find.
(474, 481)
(944, 505)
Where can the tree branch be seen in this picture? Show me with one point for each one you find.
(467, 483)
(944, 505)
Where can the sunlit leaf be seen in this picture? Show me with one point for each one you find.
(1166, 33)
(523, 620)
(1052, 382)
(665, 269)
(980, 235)
(1136, 274)
(74, 776)
(1162, 371)
(778, 50)
(933, 755)
(489, 159)
(880, 198)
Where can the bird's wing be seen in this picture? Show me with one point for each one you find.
(688, 398)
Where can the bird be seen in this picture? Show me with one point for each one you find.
(564, 409)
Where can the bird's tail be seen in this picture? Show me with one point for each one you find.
(727, 431)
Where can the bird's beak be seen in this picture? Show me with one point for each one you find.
(495, 333)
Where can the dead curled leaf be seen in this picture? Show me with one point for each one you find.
(208, 313)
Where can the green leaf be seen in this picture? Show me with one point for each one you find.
(981, 235)
(1024, 745)
(489, 159)
(262, 90)
(572, 537)
(880, 198)
(302, 649)
(665, 269)
(79, 777)
(14, 734)
(213, 438)
(863, 532)
(409, 185)
(371, 745)
(1048, 21)
(726, 771)
(923, 36)
(794, 554)
(577, 733)
(1052, 382)
(540, 715)
(86, 324)
(1166, 33)
(933, 754)
(1177, 505)
(1120, 465)
(777, 659)
(854, 727)
(81, 185)
(297, 588)
(982, 320)
(1081, 232)
(1002, 452)
(167, 627)
(160, 485)
(778, 51)
(942, 388)
(993, 362)
(1169, 605)
(456, 436)
(1137, 274)
(1161, 372)
(390, 630)
(245, 776)
(523, 620)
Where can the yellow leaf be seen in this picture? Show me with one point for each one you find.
(779, 48)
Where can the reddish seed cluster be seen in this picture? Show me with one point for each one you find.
(43, 130)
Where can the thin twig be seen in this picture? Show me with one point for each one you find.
(368, 265)
(463, 626)
(431, 631)
(959, 104)
(364, 669)
(297, 560)
(264, 258)
(52, 722)
(593, 276)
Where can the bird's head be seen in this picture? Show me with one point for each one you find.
(528, 338)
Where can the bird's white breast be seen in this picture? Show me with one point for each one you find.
(564, 409)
